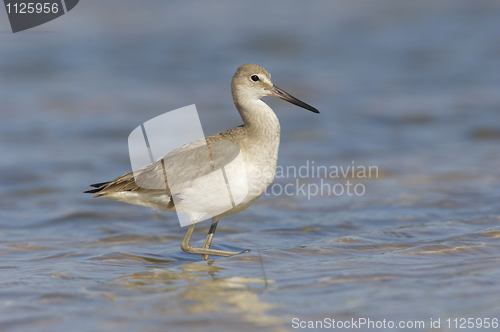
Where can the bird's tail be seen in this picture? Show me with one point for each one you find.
(99, 187)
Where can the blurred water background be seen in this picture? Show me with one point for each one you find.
(412, 87)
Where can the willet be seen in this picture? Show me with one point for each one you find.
(257, 139)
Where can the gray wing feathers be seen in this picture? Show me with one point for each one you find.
(176, 168)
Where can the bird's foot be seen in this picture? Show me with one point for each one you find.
(206, 257)
(205, 252)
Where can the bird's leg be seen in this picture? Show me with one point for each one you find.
(189, 248)
(210, 236)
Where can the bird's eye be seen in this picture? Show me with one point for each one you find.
(254, 78)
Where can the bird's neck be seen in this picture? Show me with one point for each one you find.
(258, 118)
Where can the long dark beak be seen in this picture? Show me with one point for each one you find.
(277, 92)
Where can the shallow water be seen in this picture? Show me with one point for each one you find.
(411, 88)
